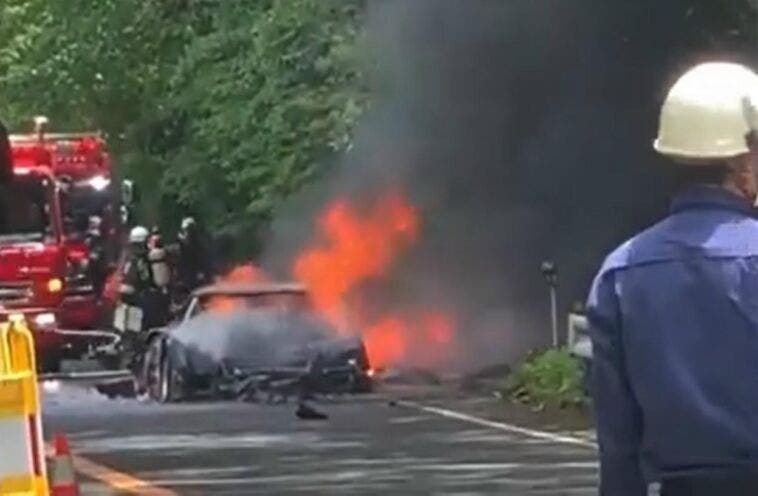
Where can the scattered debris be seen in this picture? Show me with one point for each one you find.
(117, 388)
(307, 412)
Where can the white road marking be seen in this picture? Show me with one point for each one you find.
(502, 426)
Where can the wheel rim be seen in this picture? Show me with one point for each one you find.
(153, 374)
(165, 380)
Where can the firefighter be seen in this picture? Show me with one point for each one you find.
(135, 278)
(193, 265)
(155, 239)
(674, 310)
(130, 316)
(161, 278)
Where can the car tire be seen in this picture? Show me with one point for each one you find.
(170, 388)
(150, 369)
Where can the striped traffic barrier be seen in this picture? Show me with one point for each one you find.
(22, 456)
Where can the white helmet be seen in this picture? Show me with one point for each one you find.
(709, 113)
(138, 235)
(187, 222)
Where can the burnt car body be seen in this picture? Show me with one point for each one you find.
(238, 340)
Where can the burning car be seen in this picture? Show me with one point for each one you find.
(242, 339)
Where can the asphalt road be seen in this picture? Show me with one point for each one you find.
(365, 447)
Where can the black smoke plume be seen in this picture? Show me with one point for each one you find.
(522, 129)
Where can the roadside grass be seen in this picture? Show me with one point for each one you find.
(548, 379)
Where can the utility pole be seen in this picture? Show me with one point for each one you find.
(550, 273)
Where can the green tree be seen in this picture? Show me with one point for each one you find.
(269, 92)
(219, 107)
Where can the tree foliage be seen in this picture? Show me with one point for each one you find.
(220, 108)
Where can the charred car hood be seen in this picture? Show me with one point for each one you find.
(257, 340)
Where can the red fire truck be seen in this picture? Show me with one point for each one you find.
(61, 237)
(33, 258)
(90, 215)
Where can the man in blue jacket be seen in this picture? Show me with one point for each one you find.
(674, 310)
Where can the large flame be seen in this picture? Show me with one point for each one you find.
(353, 246)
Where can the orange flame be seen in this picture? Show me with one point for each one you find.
(242, 274)
(386, 341)
(352, 247)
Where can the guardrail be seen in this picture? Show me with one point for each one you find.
(22, 454)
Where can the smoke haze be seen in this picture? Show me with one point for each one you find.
(522, 130)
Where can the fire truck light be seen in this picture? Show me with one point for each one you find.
(99, 183)
(45, 320)
(55, 285)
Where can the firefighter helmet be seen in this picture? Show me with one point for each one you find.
(188, 223)
(709, 113)
(188, 226)
(138, 235)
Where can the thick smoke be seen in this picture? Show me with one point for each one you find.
(522, 129)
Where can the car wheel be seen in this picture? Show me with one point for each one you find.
(170, 387)
(150, 370)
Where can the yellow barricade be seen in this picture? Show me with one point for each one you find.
(22, 455)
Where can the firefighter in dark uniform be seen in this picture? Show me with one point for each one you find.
(193, 261)
(674, 310)
(159, 295)
(133, 312)
(136, 278)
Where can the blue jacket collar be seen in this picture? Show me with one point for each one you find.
(704, 196)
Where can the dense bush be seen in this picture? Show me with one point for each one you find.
(552, 377)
